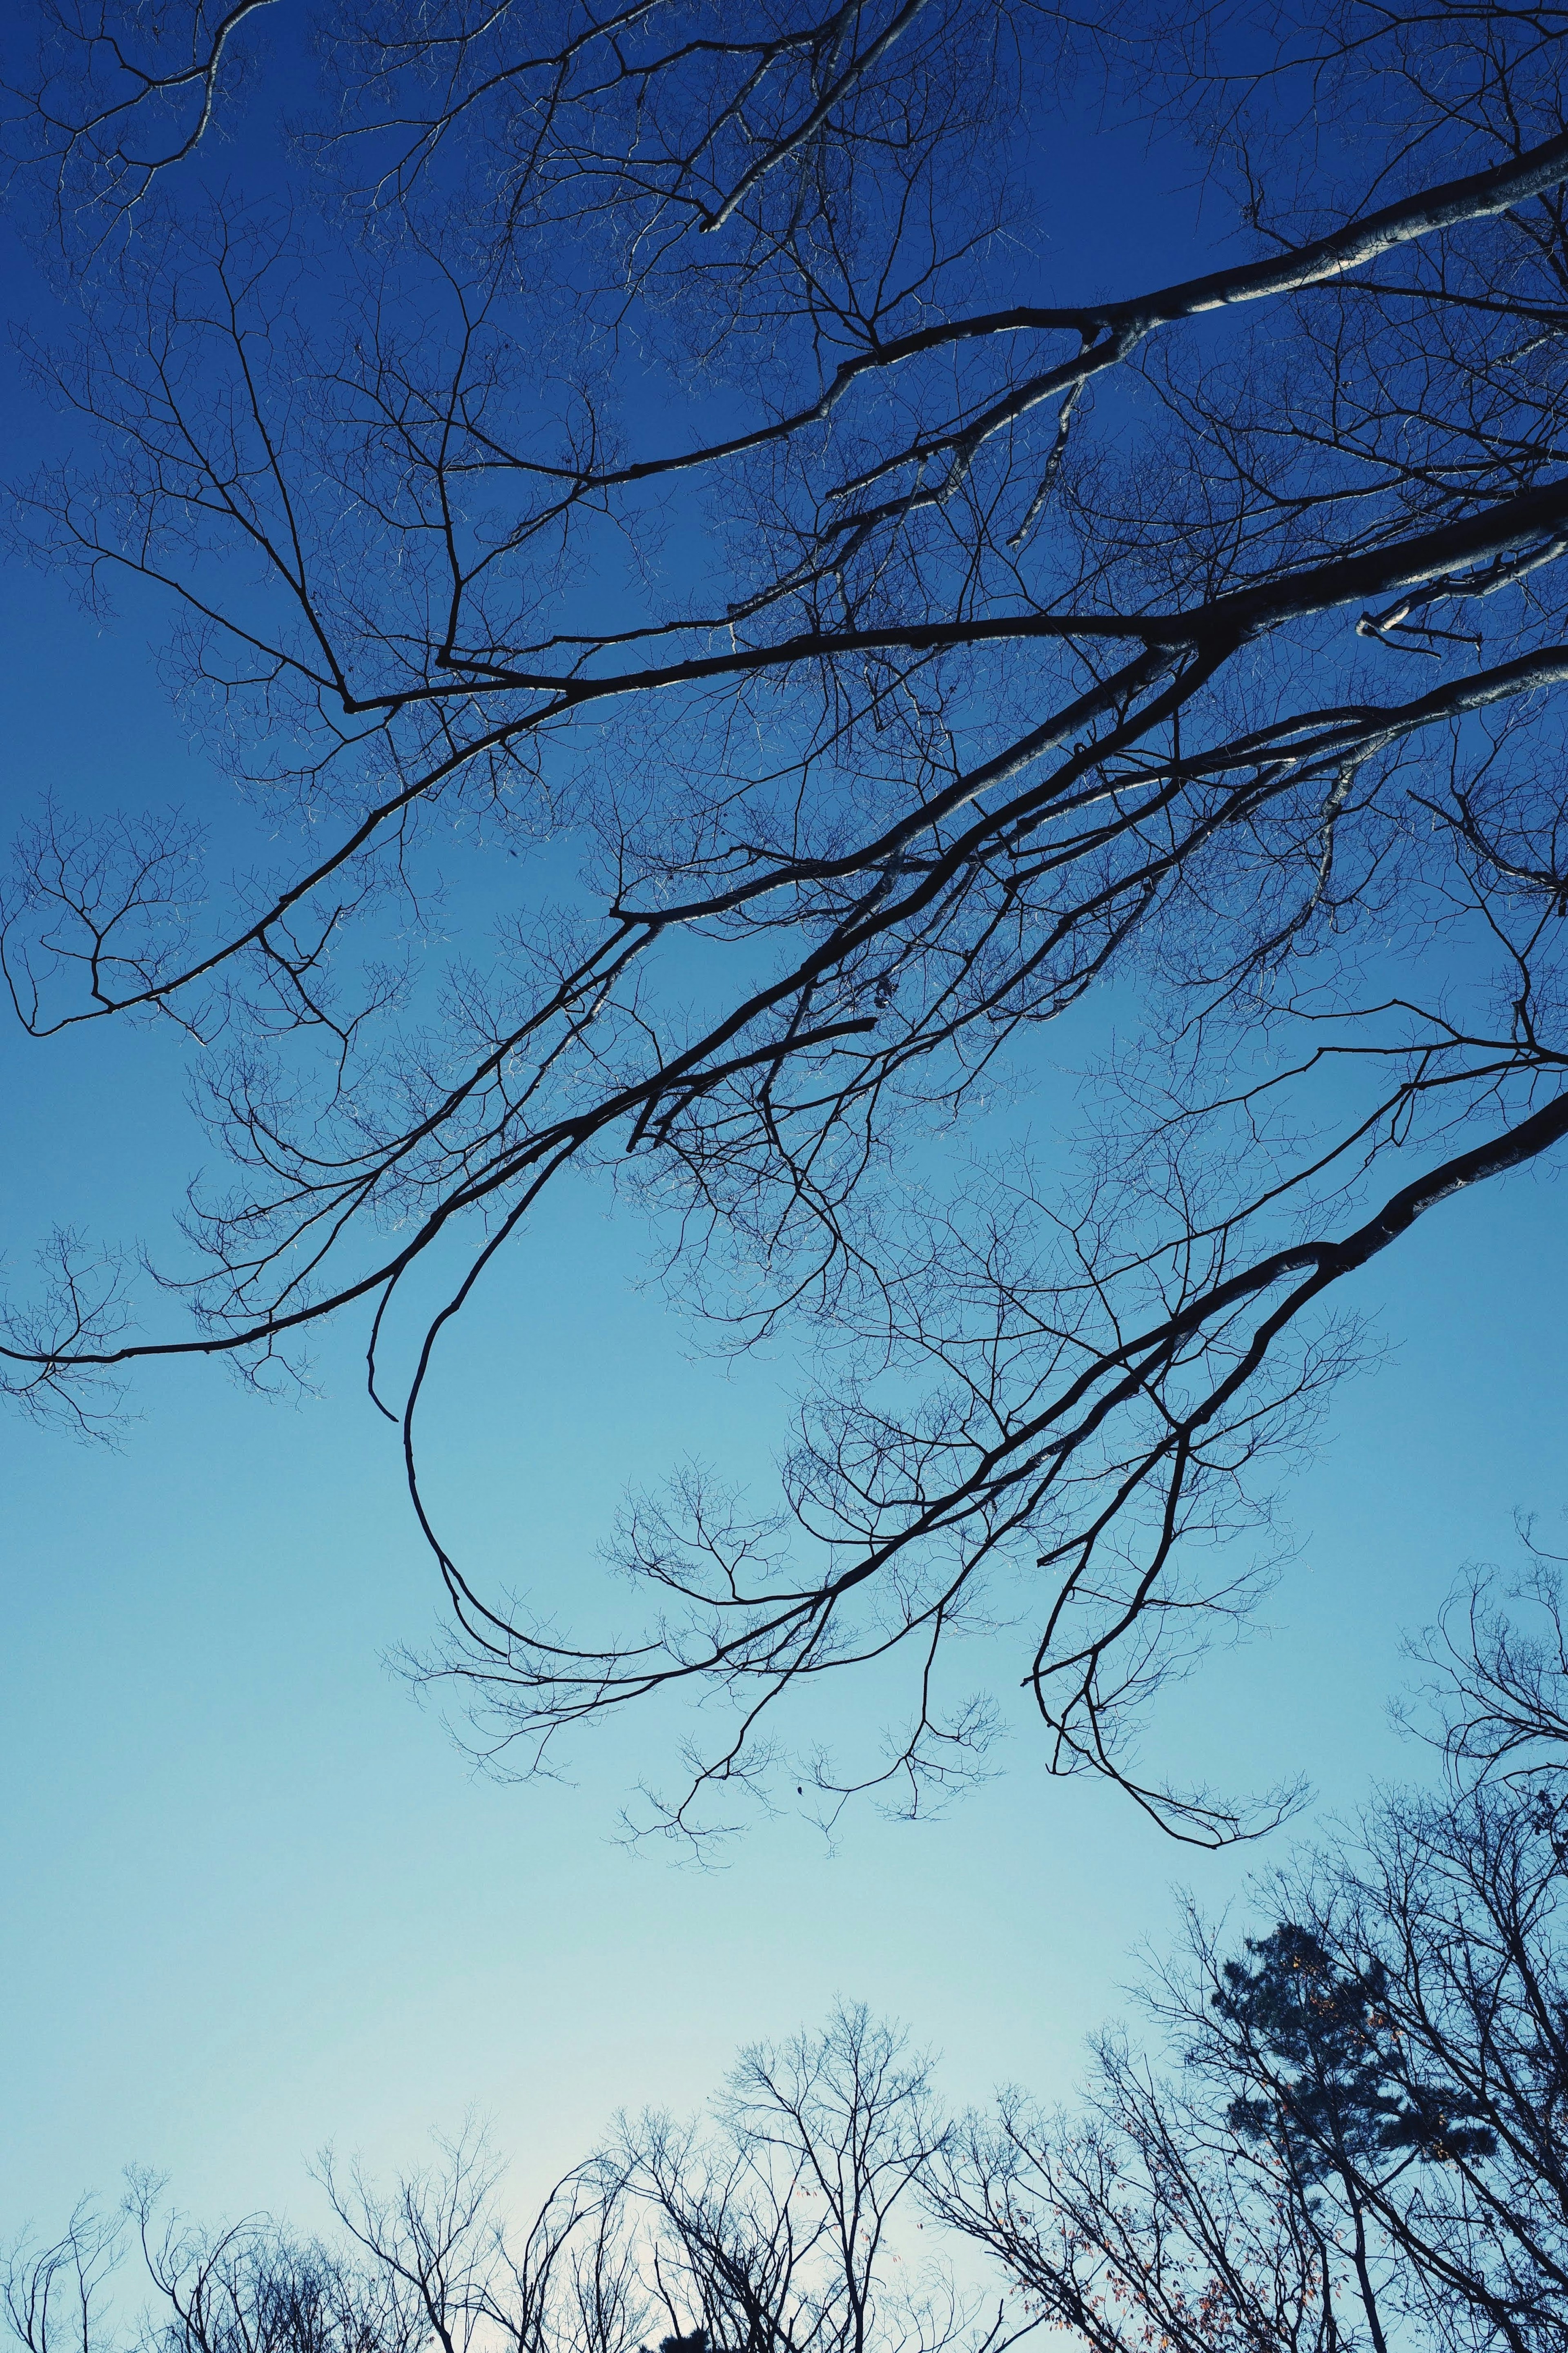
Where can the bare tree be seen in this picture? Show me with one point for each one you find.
(250, 2288)
(999, 647)
(1402, 2041)
(769, 2229)
(1362, 2140)
(1139, 2219)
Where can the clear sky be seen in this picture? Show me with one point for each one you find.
(254, 1898)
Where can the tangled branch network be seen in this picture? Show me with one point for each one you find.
(655, 471)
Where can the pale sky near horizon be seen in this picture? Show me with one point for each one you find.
(255, 1900)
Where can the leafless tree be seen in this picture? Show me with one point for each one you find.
(1361, 2141)
(1138, 2219)
(999, 647)
(1403, 2041)
(773, 2228)
(1496, 1687)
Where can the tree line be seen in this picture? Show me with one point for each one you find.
(1344, 2134)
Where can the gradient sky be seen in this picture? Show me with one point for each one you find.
(255, 1900)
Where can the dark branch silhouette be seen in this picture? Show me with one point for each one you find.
(1011, 643)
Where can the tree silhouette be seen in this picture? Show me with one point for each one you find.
(1326, 2035)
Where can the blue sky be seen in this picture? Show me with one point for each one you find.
(255, 1900)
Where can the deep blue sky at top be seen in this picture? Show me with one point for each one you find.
(255, 1900)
